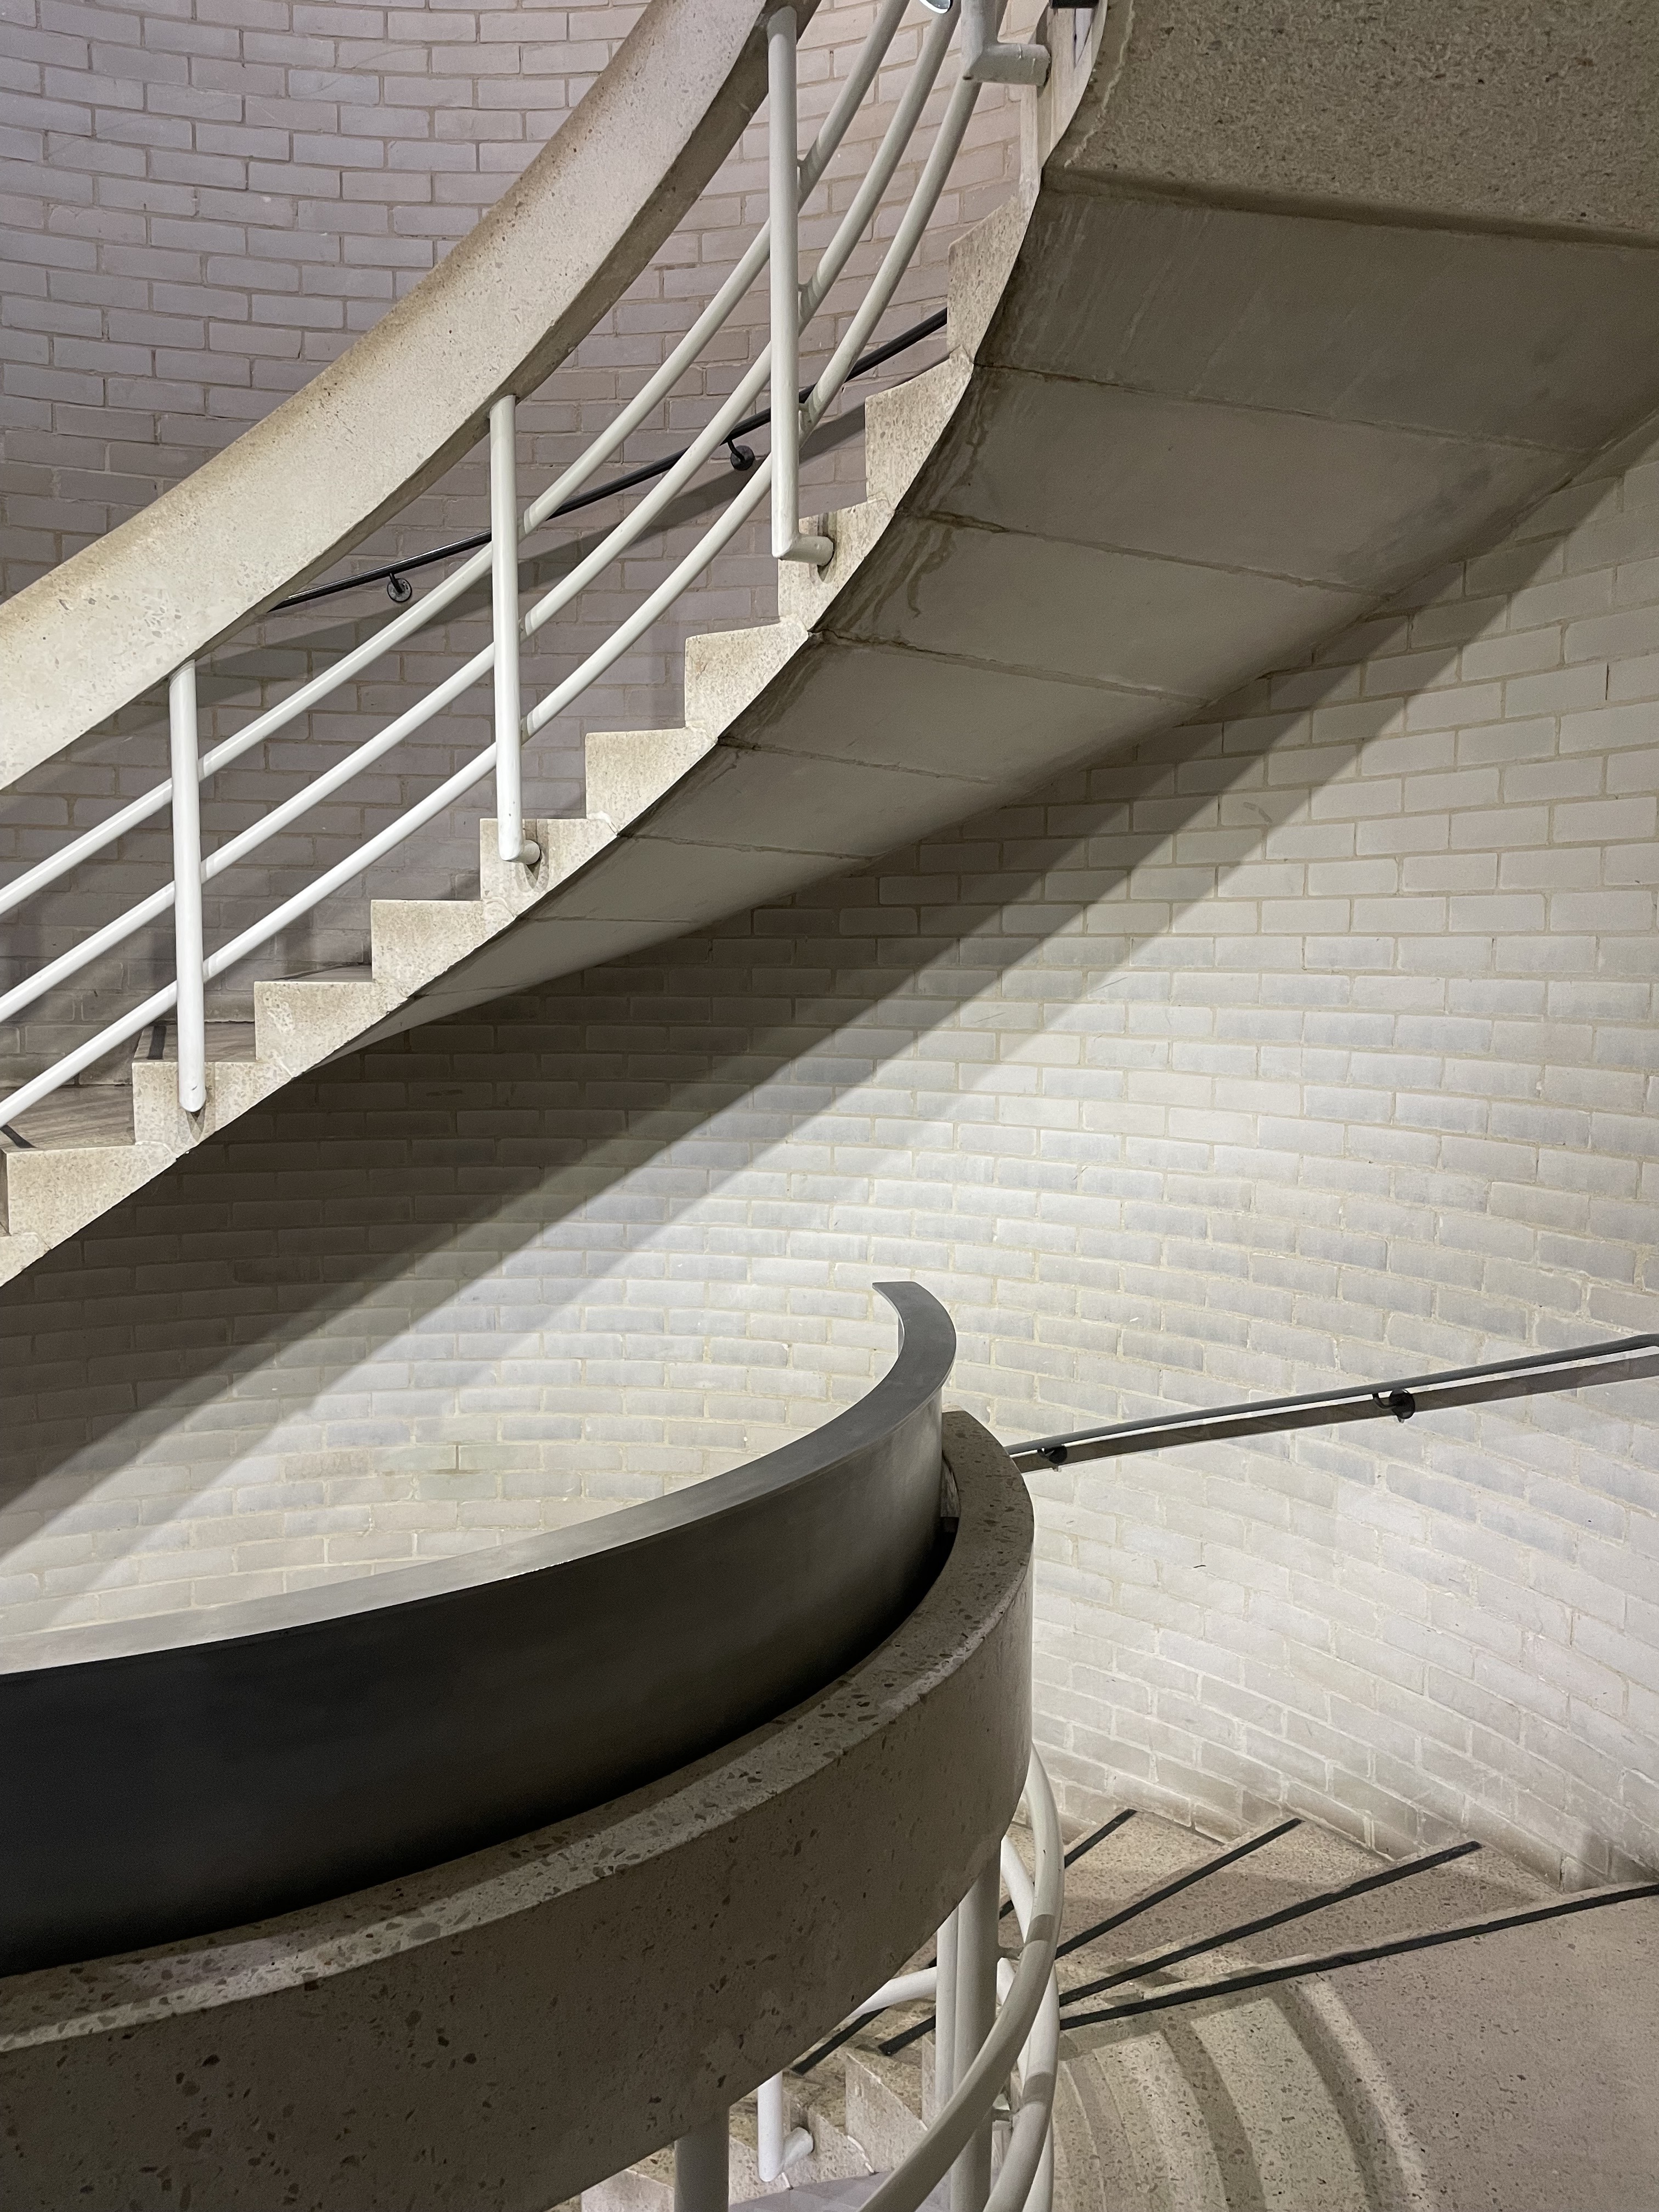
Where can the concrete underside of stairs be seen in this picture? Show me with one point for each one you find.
(1188, 429)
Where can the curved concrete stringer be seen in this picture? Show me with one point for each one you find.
(510, 2027)
(356, 444)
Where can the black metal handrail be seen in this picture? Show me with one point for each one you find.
(395, 574)
(1624, 1359)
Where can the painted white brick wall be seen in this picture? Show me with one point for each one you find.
(1315, 1039)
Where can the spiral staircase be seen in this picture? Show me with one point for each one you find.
(489, 1884)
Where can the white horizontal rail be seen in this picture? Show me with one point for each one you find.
(309, 694)
(794, 305)
(476, 567)
(269, 825)
(946, 144)
(90, 1051)
(273, 924)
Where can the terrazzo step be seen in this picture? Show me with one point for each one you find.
(1274, 2102)
(1270, 2102)
(1274, 2099)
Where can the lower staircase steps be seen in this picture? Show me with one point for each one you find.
(1271, 2100)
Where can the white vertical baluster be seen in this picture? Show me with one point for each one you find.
(187, 888)
(976, 2007)
(788, 544)
(702, 2167)
(945, 2015)
(511, 842)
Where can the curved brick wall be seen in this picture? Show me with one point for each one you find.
(204, 205)
(1318, 1038)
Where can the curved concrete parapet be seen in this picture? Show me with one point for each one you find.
(368, 434)
(505, 2029)
(185, 1773)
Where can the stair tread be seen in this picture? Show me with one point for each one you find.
(844, 2196)
(226, 1040)
(71, 1120)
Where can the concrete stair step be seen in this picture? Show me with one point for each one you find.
(128, 1127)
(298, 1022)
(75, 1119)
(884, 2106)
(845, 2196)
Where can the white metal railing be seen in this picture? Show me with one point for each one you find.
(996, 2023)
(793, 306)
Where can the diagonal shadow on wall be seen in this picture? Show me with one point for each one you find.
(366, 1195)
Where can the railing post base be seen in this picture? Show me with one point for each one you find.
(820, 551)
(777, 2144)
(986, 59)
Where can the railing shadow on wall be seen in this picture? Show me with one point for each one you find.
(555, 1173)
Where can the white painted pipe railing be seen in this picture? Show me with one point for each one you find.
(512, 846)
(993, 2019)
(1023, 2041)
(986, 59)
(794, 305)
(976, 2007)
